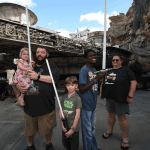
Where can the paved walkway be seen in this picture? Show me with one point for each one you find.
(12, 126)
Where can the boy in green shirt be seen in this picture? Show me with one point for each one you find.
(71, 105)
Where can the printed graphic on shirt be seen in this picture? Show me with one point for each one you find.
(112, 76)
(68, 112)
(68, 104)
(91, 76)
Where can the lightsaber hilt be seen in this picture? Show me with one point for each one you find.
(65, 123)
(28, 32)
(49, 69)
(103, 70)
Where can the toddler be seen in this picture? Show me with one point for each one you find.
(21, 74)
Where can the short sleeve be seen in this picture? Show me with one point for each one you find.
(15, 61)
(131, 75)
(78, 102)
(55, 72)
(83, 76)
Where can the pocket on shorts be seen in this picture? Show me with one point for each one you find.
(51, 119)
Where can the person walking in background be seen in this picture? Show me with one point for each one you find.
(39, 109)
(71, 105)
(88, 85)
(119, 94)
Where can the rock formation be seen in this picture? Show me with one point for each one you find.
(132, 32)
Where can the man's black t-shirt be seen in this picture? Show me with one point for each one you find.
(118, 87)
(36, 105)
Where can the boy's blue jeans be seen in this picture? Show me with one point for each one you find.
(88, 119)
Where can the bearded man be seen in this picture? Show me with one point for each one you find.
(39, 109)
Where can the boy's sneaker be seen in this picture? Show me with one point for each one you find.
(30, 147)
(49, 146)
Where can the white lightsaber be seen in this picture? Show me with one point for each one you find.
(49, 69)
(104, 41)
(103, 70)
(28, 36)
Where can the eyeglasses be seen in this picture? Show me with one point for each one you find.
(115, 60)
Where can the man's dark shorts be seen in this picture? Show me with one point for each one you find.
(119, 108)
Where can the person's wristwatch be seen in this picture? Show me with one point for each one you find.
(38, 77)
(130, 97)
(73, 128)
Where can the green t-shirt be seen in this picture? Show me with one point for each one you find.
(69, 106)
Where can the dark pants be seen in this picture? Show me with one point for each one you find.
(74, 141)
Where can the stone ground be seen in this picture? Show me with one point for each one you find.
(12, 126)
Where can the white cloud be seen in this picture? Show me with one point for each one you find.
(114, 13)
(50, 23)
(63, 32)
(21, 2)
(98, 17)
(89, 17)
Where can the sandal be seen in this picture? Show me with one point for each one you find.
(17, 103)
(106, 135)
(124, 143)
(21, 104)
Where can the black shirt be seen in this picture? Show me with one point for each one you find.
(121, 83)
(36, 105)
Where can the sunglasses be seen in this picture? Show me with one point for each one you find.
(115, 60)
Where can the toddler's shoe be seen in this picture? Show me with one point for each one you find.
(21, 101)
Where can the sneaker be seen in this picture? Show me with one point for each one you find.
(30, 147)
(49, 146)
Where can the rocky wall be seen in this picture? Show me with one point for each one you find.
(132, 32)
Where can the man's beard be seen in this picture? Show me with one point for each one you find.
(40, 62)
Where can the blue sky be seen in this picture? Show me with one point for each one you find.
(66, 16)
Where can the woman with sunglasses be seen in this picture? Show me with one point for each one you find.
(119, 90)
